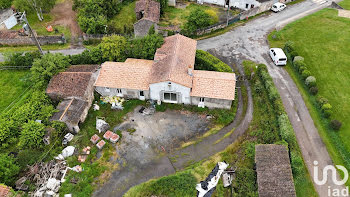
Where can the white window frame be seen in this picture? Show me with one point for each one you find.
(170, 95)
(107, 89)
(201, 99)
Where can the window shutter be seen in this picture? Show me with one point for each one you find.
(179, 100)
(161, 95)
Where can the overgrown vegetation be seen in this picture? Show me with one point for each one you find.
(118, 48)
(206, 61)
(270, 125)
(96, 169)
(328, 64)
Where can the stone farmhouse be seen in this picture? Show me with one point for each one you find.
(169, 78)
(148, 14)
(74, 89)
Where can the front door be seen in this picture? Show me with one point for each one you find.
(170, 97)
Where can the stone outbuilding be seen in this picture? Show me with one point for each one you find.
(75, 92)
(169, 78)
(148, 14)
(274, 172)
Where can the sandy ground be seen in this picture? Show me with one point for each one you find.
(64, 15)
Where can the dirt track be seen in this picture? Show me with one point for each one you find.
(65, 16)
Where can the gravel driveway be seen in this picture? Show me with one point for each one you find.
(249, 42)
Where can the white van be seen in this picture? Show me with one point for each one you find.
(278, 57)
(277, 7)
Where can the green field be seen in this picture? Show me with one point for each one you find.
(12, 85)
(125, 19)
(322, 39)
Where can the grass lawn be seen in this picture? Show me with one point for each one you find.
(177, 16)
(125, 19)
(4, 49)
(345, 4)
(13, 83)
(324, 46)
(263, 129)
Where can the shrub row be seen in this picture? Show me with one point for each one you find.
(206, 61)
(310, 82)
(285, 127)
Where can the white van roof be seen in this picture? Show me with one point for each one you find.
(278, 3)
(279, 53)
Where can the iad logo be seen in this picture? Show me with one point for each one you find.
(333, 170)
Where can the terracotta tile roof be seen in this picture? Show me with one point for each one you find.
(131, 74)
(150, 9)
(67, 84)
(82, 68)
(4, 190)
(274, 173)
(211, 84)
(172, 60)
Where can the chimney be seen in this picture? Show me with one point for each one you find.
(189, 71)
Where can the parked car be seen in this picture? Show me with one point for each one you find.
(277, 7)
(278, 57)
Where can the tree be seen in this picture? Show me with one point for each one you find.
(8, 169)
(196, 20)
(32, 135)
(5, 130)
(163, 5)
(114, 48)
(5, 4)
(145, 48)
(46, 67)
(37, 107)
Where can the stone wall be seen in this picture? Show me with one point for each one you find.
(211, 28)
(212, 103)
(142, 27)
(26, 40)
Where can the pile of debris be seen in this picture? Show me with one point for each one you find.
(47, 177)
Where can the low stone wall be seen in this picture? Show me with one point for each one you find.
(211, 28)
(26, 40)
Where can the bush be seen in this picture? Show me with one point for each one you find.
(301, 69)
(286, 129)
(310, 81)
(289, 46)
(293, 54)
(326, 106)
(313, 90)
(206, 61)
(32, 135)
(336, 125)
(305, 74)
(21, 59)
(196, 20)
(299, 64)
(296, 163)
(114, 48)
(46, 67)
(146, 47)
(321, 101)
(8, 169)
(298, 59)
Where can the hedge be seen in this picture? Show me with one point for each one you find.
(285, 127)
(206, 61)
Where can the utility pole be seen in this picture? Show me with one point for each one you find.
(228, 9)
(23, 19)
